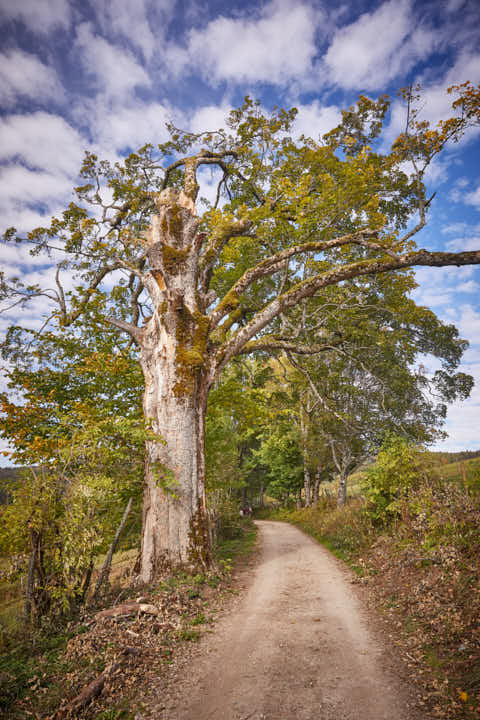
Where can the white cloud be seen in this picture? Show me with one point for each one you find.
(460, 227)
(377, 47)
(454, 5)
(315, 119)
(438, 286)
(461, 244)
(41, 140)
(469, 322)
(473, 198)
(468, 287)
(28, 198)
(131, 126)
(209, 117)
(122, 18)
(275, 47)
(116, 71)
(24, 76)
(31, 186)
(40, 16)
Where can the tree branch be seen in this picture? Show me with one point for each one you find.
(309, 287)
(270, 342)
(218, 240)
(134, 331)
(277, 262)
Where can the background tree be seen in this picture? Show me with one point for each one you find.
(207, 287)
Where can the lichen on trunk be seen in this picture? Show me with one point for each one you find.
(177, 376)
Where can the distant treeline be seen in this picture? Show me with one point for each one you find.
(8, 479)
(443, 458)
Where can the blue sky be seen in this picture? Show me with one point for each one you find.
(106, 75)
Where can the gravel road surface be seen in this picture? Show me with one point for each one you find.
(297, 646)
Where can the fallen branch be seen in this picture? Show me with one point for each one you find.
(87, 694)
(93, 689)
(127, 609)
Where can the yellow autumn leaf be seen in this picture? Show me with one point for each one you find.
(463, 695)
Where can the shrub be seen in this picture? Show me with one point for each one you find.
(387, 482)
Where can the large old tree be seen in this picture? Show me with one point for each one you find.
(194, 289)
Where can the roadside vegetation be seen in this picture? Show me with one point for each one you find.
(98, 665)
(413, 537)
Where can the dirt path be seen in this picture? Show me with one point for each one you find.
(296, 647)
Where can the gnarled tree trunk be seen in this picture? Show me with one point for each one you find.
(177, 380)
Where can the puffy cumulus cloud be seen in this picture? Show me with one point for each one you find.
(468, 321)
(438, 287)
(41, 140)
(115, 70)
(25, 76)
(31, 186)
(469, 241)
(460, 227)
(131, 126)
(209, 118)
(377, 47)
(315, 119)
(122, 18)
(40, 17)
(276, 46)
(28, 198)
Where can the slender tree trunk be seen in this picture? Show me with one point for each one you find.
(105, 571)
(299, 498)
(307, 484)
(342, 488)
(316, 487)
(262, 497)
(306, 471)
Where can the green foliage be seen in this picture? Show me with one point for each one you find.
(63, 515)
(280, 453)
(389, 480)
(73, 415)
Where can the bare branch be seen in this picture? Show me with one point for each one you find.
(134, 331)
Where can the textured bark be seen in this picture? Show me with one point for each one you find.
(177, 380)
